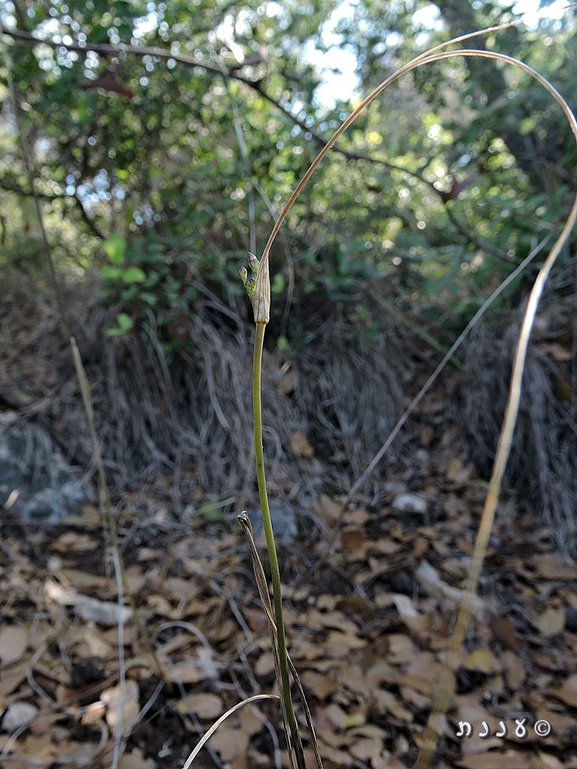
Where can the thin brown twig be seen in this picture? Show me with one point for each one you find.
(108, 48)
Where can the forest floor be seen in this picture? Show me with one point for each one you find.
(367, 626)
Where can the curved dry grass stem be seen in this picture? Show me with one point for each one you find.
(411, 408)
(447, 680)
(355, 114)
(446, 683)
(262, 586)
(221, 720)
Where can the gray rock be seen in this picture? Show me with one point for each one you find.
(36, 482)
(18, 714)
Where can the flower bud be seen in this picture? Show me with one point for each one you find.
(258, 287)
(261, 294)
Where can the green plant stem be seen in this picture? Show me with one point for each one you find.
(270, 543)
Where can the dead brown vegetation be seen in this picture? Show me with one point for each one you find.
(542, 463)
(188, 414)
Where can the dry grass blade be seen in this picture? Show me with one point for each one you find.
(104, 495)
(418, 398)
(436, 54)
(244, 521)
(427, 56)
(257, 566)
(447, 680)
(262, 586)
(221, 720)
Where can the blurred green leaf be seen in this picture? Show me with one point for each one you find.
(125, 323)
(133, 275)
(115, 247)
(110, 273)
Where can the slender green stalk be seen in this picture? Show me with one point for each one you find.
(257, 286)
(263, 591)
(270, 543)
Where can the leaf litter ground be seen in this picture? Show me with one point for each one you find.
(367, 630)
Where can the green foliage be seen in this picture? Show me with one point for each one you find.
(141, 278)
(115, 247)
(143, 152)
(125, 324)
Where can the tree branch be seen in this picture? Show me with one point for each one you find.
(10, 186)
(257, 86)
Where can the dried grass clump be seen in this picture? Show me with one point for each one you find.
(542, 462)
(190, 413)
(353, 389)
(186, 413)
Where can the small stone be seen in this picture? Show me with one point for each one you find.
(18, 714)
(410, 503)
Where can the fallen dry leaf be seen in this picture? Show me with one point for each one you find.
(422, 674)
(551, 622)
(400, 648)
(71, 542)
(327, 509)
(367, 749)
(352, 539)
(229, 742)
(509, 759)
(180, 589)
(388, 703)
(568, 691)
(356, 517)
(331, 619)
(12, 678)
(265, 664)
(185, 672)
(505, 633)
(319, 684)
(481, 661)
(122, 706)
(334, 756)
(513, 670)
(339, 645)
(552, 566)
(204, 705)
(336, 715)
